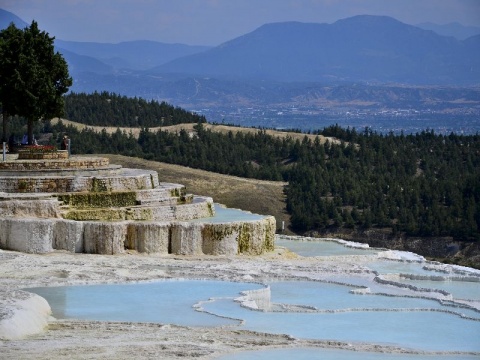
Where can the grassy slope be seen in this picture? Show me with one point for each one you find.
(189, 128)
(257, 196)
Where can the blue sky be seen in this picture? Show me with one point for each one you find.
(212, 22)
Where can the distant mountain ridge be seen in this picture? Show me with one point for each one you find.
(79, 64)
(363, 48)
(454, 29)
(6, 17)
(103, 58)
(135, 55)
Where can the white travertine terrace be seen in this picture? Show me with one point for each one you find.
(84, 204)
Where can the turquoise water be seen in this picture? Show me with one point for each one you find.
(331, 296)
(167, 301)
(223, 214)
(325, 311)
(321, 248)
(421, 330)
(327, 354)
(363, 318)
(385, 266)
(395, 321)
(459, 289)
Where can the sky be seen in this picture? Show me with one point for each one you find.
(212, 22)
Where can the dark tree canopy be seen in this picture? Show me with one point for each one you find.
(34, 76)
(110, 109)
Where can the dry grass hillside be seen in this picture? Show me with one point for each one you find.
(189, 128)
(257, 196)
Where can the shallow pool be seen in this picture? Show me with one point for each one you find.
(223, 214)
(327, 354)
(321, 247)
(168, 301)
(310, 309)
(327, 296)
(458, 289)
(406, 322)
(386, 266)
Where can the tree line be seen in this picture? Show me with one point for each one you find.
(110, 109)
(422, 184)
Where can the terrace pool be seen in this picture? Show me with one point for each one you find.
(302, 309)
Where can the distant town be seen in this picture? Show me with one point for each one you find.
(409, 121)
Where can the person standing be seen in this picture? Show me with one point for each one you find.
(64, 144)
(11, 143)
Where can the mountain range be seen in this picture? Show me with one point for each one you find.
(359, 49)
(368, 49)
(361, 60)
(135, 55)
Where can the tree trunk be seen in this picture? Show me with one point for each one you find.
(5, 127)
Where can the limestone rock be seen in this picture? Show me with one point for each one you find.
(86, 205)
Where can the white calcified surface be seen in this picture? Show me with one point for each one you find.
(168, 226)
(22, 314)
(125, 340)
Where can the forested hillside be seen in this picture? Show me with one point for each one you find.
(108, 109)
(423, 184)
(420, 185)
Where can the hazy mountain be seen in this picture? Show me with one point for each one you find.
(105, 57)
(369, 49)
(78, 64)
(136, 55)
(7, 17)
(454, 29)
(358, 49)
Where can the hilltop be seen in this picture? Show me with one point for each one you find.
(189, 127)
(362, 48)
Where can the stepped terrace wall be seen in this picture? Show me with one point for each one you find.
(87, 205)
(41, 236)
